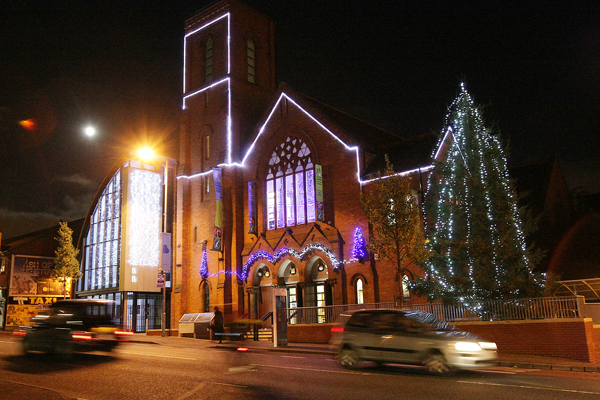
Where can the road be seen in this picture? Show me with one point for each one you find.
(150, 371)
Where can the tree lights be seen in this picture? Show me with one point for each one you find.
(473, 225)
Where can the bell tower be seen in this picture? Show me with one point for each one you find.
(228, 81)
(228, 77)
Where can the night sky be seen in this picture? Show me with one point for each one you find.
(533, 65)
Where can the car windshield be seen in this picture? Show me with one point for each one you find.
(430, 321)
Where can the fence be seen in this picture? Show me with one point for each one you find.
(488, 310)
(328, 314)
(496, 310)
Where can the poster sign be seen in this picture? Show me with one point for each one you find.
(252, 208)
(319, 190)
(31, 276)
(166, 256)
(218, 233)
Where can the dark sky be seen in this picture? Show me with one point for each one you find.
(534, 65)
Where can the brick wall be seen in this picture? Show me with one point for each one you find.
(577, 339)
(309, 333)
(565, 338)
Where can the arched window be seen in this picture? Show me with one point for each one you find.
(290, 185)
(250, 60)
(359, 292)
(405, 288)
(208, 54)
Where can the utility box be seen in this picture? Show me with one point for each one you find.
(196, 325)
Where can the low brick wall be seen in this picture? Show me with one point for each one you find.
(577, 338)
(309, 333)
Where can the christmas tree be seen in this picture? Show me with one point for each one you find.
(473, 227)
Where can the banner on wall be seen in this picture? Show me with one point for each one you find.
(252, 208)
(31, 276)
(218, 234)
(319, 191)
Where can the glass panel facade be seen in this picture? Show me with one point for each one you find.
(103, 241)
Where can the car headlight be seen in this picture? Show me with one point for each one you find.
(467, 346)
(488, 345)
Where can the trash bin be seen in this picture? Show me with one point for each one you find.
(196, 325)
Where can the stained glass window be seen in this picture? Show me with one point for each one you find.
(290, 185)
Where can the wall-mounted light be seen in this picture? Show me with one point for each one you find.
(259, 273)
(293, 270)
(321, 268)
(267, 273)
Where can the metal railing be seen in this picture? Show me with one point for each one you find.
(497, 310)
(328, 314)
(485, 310)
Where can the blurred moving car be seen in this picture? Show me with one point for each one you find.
(408, 337)
(76, 325)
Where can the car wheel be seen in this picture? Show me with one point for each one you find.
(435, 363)
(63, 350)
(25, 347)
(349, 358)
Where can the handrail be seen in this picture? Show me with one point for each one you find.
(266, 316)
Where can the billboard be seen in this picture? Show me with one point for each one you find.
(30, 276)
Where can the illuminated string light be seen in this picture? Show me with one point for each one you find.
(273, 259)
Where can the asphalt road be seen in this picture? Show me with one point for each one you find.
(150, 371)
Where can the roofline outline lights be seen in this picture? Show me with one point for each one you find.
(262, 129)
(226, 15)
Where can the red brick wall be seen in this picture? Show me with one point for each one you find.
(572, 339)
(309, 333)
(577, 339)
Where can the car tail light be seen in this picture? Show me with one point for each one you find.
(19, 333)
(242, 349)
(123, 333)
(337, 329)
(82, 336)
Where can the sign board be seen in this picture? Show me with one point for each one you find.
(31, 276)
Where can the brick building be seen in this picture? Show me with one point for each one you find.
(269, 180)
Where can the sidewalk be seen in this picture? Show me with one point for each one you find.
(504, 360)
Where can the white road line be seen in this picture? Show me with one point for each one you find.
(312, 369)
(530, 387)
(291, 357)
(191, 392)
(157, 355)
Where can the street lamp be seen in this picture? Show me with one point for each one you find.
(148, 154)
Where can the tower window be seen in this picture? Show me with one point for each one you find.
(250, 57)
(290, 185)
(208, 61)
(207, 147)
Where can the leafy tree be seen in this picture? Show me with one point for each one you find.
(474, 230)
(66, 268)
(396, 233)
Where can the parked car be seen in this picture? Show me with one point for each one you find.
(408, 337)
(77, 325)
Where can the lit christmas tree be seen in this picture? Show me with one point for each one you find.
(474, 231)
(359, 251)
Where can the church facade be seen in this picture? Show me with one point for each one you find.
(269, 181)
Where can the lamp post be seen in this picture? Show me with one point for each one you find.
(148, 154)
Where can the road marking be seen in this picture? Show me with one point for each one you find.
(312, 369)
(157, 355)
(191, 392)
(291, 357)
(530, 387)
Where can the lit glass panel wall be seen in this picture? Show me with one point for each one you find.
(101, 250)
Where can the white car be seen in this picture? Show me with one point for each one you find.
(409, 337)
